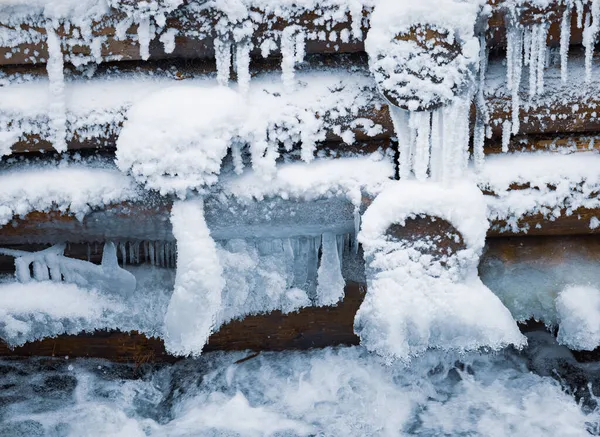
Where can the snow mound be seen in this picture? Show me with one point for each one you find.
(578, 309)
(174, 140)
(416, 301)
(71, 188)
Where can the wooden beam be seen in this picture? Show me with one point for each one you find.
(308, 328)
(311, 327)
(197, 29)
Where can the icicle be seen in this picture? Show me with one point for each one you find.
(300, 47)
(131, 253)
(123, 251)
(356, 227)
(579, 11)
(565, 39)
(400, 121)
(223, 59)
(481, 117)
(590, 32)
(506, 130)
(22, 270)
(421, 123)
(516, 43)
(89, 252)
(437, 122)
(288, 61)
(40, 271)
(57, 111)
(161, 253)
(340, 248)
(330, 282)
(151, 253)
(242, 66)
(526, 46)
(533, 58)
(144, 37)
(356, 13)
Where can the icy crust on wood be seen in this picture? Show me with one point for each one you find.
(578, 310)
(423, 53)
(416, 300)
(69, 187)
(197, 125)
(546, 184)
(321, 105)
(342, 177)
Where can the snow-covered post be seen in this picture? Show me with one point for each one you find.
(422, 242)
(424, 56)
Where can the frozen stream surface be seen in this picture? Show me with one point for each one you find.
(330, 392)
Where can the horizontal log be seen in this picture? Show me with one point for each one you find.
(309, 327)
(196, 30)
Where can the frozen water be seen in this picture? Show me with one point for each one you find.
(578, 309)
(331, 392)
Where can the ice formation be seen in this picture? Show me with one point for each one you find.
(294, 393)
(406, 70)
(551, 184)
(51, 264)
(417, 300)
(193, 308)
(31, 187)
(578, 309)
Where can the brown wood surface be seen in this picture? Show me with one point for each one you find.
(311, 327)
(189, 46)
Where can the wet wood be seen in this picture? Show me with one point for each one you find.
(312, 327)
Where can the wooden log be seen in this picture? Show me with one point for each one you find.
(311, 327)
(196, 32)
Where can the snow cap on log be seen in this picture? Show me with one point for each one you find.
(423, 53)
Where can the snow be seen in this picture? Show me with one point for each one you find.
(69, 187)
(415, 301)
(62, 305)
(578, 309)
(330, 392)
(192, 311)
(438, 82)
(553, 184)
(174, 140)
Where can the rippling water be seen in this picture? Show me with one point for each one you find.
(541, 391)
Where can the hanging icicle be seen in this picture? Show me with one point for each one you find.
(223, 59)
(57, 111)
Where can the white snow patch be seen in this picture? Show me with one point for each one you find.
(196, 300)
(415, 301)
(67, 187)
(578, 309)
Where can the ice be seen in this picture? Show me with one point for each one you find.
(242, 66)
(223, 57)
(56, 80)
(50, 263)
(553, 184)
(193, 308)
(578, 309)
(167, 38)
(433, 143)
(330, 282)
(43, 308)
(590, 32)
(49, 186)
(331, 392)
(443, 80)
(565, 38)
(416, 301)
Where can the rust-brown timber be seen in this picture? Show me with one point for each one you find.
(309, 327)
(188, 47)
